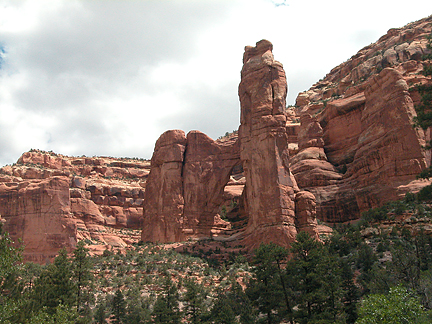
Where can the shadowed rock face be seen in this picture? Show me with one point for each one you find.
(207, 169)
(186, 185)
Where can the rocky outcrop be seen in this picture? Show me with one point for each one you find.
(239, 188)
(306, 221)
(207, 169)
(186, 185)
(51, 201)
(357, 145)
(164, 201)
(349, 145)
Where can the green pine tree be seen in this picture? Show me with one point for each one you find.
(54, 286)
(82, 275)
(269, 290)
(222, 311)
(166, 308)
(118, 307)
(194, 299)
(100, 314)
(316, 275)
(10, 270)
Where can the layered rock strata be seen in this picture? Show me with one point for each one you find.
(357, 145)
(38, 212)
(50, 201)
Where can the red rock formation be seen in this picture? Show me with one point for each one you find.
(103, 195)
(354, 148)
(38, 213)
(305, 210)
(270, 189)
(207, 168)
(359, 150)
(198, 187)
(164, 202)
(185, 187)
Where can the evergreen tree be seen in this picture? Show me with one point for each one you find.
(138, 307)
(351, 294)
(303, 267)
(10, 269)
(118, 307)
(100, 314)
(268, 289)
(55, 286)
(222, 311)
(240, 303)
(194, 299)
(62, 314)
(82, 275)
(318, 284)
(10, 257)
(166, 308)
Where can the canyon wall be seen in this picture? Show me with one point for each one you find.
(50, 201)
(357, 145)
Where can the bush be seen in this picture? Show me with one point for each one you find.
(376, 214)
(398, 306)
(425, 194)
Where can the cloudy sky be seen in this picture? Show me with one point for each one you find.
(107, 77)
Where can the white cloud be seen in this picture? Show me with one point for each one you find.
(108, 77)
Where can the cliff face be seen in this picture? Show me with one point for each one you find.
(51, 201)
(357, 146)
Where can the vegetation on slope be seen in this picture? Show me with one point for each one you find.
(343, 279)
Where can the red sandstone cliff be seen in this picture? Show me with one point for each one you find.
(51, 201)
(357, 146)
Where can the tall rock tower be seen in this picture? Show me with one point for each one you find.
(185, 188)
(270, 187)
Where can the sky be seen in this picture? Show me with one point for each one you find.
(108, 77)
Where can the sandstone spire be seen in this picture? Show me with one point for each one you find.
(270, 186)
(185, 188)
